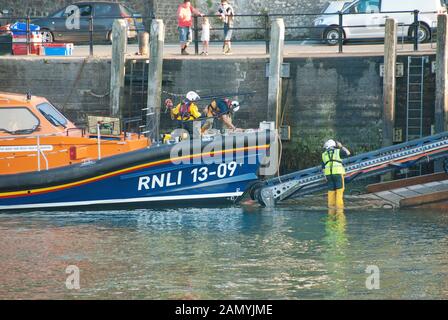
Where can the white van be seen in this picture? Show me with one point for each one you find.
(336, 6)
(365, 19)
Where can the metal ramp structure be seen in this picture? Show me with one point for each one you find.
(366, 165)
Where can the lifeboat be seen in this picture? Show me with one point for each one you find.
(46, 161)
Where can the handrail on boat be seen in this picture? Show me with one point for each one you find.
(39, 151)
(32, 136)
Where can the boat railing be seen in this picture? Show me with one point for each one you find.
(131, 125)
(39, 151)
(83, 131)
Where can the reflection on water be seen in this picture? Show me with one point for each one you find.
(224, 253)
(336, 244)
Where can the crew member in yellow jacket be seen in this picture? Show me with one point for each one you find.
(334, 172)
(186, 112)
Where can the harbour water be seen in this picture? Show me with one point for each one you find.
(224, 253)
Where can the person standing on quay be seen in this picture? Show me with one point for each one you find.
(226, 13)
(185, 13)
(205, 37)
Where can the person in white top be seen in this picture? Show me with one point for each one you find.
(226, 13)
(205, 36)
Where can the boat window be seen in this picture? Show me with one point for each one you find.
(52, 114)
(18, 120)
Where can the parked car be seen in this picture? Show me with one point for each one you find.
(3, 14)
(365, 19)
(54, 27)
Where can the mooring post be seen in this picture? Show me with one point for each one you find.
(275, 71)
(441, 107)
(143, 43)
(389, 82)
(157, 43)
(119, 44)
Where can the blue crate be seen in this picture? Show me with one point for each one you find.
(58, 50)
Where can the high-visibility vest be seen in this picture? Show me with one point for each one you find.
(332, 162)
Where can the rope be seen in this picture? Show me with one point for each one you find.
(78, 77)
(176, 95)
(93, 94)
(279, 158)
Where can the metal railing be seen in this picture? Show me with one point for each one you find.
(92, 29)
(264, 26)
(39, 152)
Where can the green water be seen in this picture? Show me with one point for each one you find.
(224, 253)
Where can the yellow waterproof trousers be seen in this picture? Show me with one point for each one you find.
(336, 197)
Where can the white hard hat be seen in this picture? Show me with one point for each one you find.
(192, 96)
(235, 106)
(330, 144)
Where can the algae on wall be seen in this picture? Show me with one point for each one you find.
(305, 149)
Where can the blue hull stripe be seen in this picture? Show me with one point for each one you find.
(120, 201)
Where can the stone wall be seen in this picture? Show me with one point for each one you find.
(77, 86)
(323, 98)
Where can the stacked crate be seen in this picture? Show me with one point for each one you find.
(19, 39)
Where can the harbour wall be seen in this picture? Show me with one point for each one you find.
(325, 97)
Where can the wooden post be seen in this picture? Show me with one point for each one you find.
(143, 43)
(119, 44)
(389, 83)
(441, 107)
(275, 69)
(155, 78)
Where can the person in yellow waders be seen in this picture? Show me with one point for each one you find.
(334, 172)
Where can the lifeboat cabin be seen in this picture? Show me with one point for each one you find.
(35, 136)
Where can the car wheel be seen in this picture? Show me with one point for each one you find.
(47, 36)
(423, 35)
(331, 36)
(109, 37)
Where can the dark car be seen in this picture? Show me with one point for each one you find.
(54, 27)
(3, 17)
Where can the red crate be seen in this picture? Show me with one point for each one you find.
(34, 37)
(19, 49)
